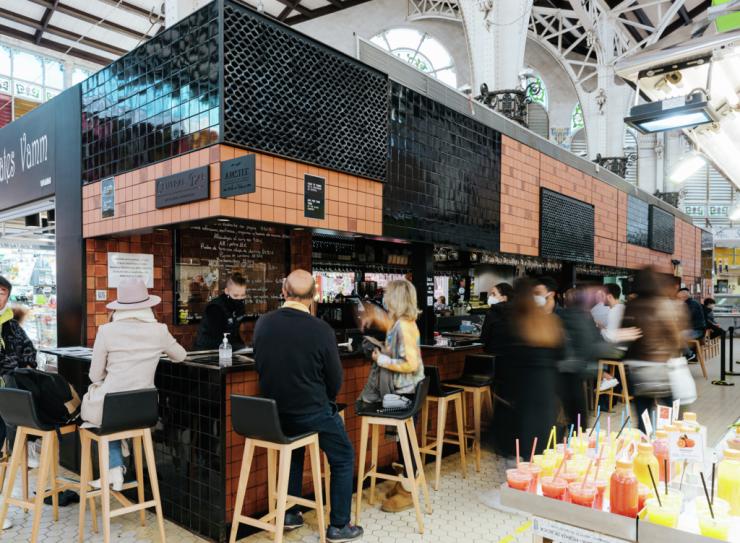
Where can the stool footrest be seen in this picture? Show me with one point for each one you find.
(257, 523)
(132, 508)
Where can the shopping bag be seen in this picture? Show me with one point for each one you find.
(682, 382)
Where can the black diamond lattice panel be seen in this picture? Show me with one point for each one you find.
(566, 228)
(291, 96)
(662, 230)
(638, 221)
(159, 101)
(443, 174)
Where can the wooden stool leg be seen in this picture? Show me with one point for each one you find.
(374, 461)
(242, 488)
(54, 474)
(625, 388)
(700, 357)
(422, 475)
(476, 421)
(282, 494)
(403, 436)
(489, 399)
(599, 376)
(103, 465)
(139, 461)
(41, 478)
(24, 474)
(441, 423)
(153, 482)
(461, 434)
(316, 472)
(361, 468)
(272, 455)
(84, 483)
(327, 486)
(424, 428)
(16, 459)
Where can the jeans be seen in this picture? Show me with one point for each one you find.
(334, 441)
(115, 455)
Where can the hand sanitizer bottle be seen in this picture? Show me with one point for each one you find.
(224, 352)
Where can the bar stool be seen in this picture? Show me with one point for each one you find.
(476, 380)
(341, 407)
(18, 409)
(374, 415)
(126, 415)
(442, 396)
(613, 365)
(698, 347)
(257, 420)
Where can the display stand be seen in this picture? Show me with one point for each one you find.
(655, 533)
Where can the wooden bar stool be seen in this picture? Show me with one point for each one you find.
(257, 420)
(126, 415)
(698, 348)
(442, 396)
(403, 421)
(615, 368)
(476, 380)
(341, 407)
(17, 409)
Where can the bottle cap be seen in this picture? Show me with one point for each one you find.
(669, 428)
(624, 464)
(688, 416)
(644, 448)
(732, 454)
(661, 434)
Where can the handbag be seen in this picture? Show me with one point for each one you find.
(394, 402)
(650, 379)
(683, 386)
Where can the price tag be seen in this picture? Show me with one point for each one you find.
(647, 422)
(687, 445)
(665, 416)
(676, 409)
(557, 531)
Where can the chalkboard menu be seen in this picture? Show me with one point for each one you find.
(208, 252)
(313, 193)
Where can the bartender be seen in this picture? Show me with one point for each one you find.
(223, 315)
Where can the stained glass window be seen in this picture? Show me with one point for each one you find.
(537, 91)
(576, 119)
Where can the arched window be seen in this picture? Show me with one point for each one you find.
(537, 93)
(576, 118)
(421, 50)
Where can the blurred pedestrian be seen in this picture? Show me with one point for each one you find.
(600, 311)
(713, 329)
(499, 301)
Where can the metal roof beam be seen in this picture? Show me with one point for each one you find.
(290, 6)
(326, 10)
(55, 46)
(45, 22)
(151, 15)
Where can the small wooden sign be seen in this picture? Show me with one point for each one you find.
(181, 188)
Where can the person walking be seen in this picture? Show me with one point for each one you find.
(298, 363)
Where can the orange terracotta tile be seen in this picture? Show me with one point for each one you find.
(290, 216)
(227, 152)
(215, 172)
(279, 198)
(291, 201)
(279, 214)
(342, 209)
(240, 152)
(255, 211)
(265, 180)
(268, 164)
(291, 169)
(279, 181)
(279, 166)
(227, 207)
(268, 213)
(241, 209)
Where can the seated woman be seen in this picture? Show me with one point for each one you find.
(125, 357)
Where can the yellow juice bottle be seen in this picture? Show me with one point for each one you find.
(728, 480)
(645, 458)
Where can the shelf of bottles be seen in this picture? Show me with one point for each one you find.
(359, 255)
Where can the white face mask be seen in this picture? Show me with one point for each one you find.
(492, 300)
(540, 301)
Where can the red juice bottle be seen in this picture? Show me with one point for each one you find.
(661, 450)
(623, 490)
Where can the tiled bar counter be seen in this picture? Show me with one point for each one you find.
(199, 456)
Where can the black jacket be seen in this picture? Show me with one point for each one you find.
(494, 327)
(584, 345)
(298, 361)
(222, 315)
(19, 351)
(696, 315)
(709, 318)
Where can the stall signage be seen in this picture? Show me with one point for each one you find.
(238, 176)
(108, 197)
(562, 533)
(181, 188)
(130, 265)
(314, 196)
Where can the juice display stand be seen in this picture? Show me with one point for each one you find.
(605, 526)
(655, 533)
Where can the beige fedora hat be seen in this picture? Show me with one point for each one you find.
(133, 294)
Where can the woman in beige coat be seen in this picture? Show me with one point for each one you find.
(125, 357)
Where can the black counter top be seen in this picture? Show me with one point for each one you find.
(451, 348)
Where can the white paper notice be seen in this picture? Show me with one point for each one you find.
(130, 265)
(557, 531)
(647, 422)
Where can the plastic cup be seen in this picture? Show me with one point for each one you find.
(601, 486)
(535, 471)
(570, 477)
(717, 527)
(547, 462)
(673, 496)
(518, 479)
(665, 514)
(579, 464)
(643, 493)
(582, 494)
(553, 488)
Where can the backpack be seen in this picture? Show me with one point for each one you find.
(57, 403)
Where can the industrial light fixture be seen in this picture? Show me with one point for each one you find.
(687, 167)
(673, 113)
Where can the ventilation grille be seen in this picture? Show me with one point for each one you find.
(638, 221)
(291, 96)
(566, 228)
(662, 225)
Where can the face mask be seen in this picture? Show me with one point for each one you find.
(234, 304)
(540, 301)
(492, 300)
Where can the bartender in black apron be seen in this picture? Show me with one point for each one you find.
(223, 315)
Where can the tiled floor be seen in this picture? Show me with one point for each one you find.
(462, 508)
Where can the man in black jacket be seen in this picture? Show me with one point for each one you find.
(223, 315)
(696, 314)
(298, 363)
(713, 327)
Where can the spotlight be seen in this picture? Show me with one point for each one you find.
(672, 113)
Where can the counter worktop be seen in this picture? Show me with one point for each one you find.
(452, 349)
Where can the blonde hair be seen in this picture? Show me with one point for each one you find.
(400, 299)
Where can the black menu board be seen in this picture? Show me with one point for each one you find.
(313, 196)
(209, 252)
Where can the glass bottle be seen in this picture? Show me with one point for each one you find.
(728, 480)
(661, 450)
(644, 459)
(623, 490)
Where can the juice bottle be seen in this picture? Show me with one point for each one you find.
(623, 490)
(728, 480)
(662, 453)
(689, 419)
(645, 458)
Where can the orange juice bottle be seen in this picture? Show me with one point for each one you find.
(728, 480)
(623, 499)
(645, 458)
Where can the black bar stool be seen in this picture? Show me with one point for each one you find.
(126, 415)
(18, 409)
(257, 420)
(442, 396)
(403, 421)
(476, 380)
(341, 407)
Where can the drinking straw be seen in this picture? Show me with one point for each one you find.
(560, 467)
(588, 470)
(598, 416)
(578, 427)
(665, 476)
(534, 446)
(712, 495)
(654, 422)
(598, 431)
(598, 464)
(570, 433)
(621, 421)
(655, 487)
(625, 423)
(517, 453)
(706, 495)
(551, 437)
(683, 472)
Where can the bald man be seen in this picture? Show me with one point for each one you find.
(299, 367)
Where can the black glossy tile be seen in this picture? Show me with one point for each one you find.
(662, 230)
(566, 228)
(638, 221)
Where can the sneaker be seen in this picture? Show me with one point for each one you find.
(7, 525)
(606, 384)
(691, 357)
(115, 479)
(341, 535)
(293, 521)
